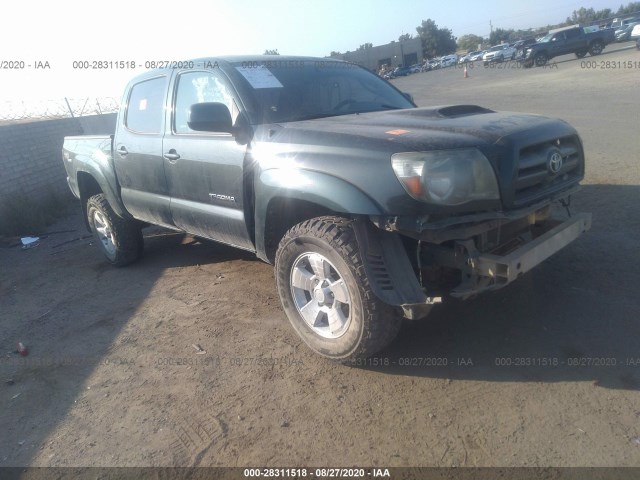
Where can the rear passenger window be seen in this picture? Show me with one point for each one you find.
(145, 111)
(572, 33)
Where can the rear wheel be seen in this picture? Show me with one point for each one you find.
(596, 48)
(326, 293)
(119, 239)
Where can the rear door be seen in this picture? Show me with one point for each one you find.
(138, 151)
(205, 169)
(575, 41)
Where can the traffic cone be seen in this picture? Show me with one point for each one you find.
(466, 74)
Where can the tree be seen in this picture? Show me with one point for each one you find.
(500, 35)
(588, 15)
(365, 46)
(631, 7)
(271, 52)
(404, 37)
(334, 54)
(435, 41)
(469, 42)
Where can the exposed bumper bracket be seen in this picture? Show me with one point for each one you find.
(490, 272)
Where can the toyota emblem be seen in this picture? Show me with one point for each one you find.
(555, 162)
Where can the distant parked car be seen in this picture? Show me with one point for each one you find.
(475, 56)
(499, 53)
(521, 46)
(415, 68)
(433, 64)
(617, 23)
(635, 35)
(624, 34)
(400, 72)
(448, 60)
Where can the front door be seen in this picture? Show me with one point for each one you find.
(205, 170)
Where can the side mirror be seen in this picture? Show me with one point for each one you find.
(409, 96)
(210, 117)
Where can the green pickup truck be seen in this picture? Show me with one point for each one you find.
(370, 208)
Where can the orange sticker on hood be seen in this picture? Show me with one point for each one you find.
(397, 132)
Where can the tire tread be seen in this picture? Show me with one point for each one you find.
(381, 322)
(128, 235)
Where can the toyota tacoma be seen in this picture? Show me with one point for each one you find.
(370, 208)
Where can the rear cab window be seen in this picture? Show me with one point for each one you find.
(145, 106)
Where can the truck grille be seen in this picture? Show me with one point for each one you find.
(547, 167)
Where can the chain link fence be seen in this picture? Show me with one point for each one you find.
(22, 111)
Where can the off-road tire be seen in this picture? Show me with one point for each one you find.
(372, 325)
(540, 60)
(119, 239)
(596, 48)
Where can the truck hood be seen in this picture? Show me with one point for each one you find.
(415, 129)
(357, 148)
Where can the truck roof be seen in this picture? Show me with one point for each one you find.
(226, 61)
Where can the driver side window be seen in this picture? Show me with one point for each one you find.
(200, 87)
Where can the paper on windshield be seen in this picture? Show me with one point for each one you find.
(259, 77)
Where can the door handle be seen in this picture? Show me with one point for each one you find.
(122, 151)
(171, 155)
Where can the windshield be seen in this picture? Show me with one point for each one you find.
(546, 38)
(302, 90)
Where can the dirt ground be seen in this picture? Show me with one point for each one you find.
(113, 378)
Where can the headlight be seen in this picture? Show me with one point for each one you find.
(446, 177)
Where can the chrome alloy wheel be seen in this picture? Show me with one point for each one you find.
(104, 232)
(320, 295)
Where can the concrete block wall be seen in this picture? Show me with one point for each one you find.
(31, 154)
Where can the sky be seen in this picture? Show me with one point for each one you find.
(69, 30)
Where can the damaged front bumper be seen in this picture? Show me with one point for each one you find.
(474, 253)
(488, 271)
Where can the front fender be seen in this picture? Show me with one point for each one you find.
(318, 188)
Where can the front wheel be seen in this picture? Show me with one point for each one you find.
(581, 53)
(326, 293)
(119, 239)
(540, 60)
(596, 48)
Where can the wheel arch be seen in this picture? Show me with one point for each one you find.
(90, 184)
(280, 205)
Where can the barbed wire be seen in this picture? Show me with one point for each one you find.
(18, 111)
